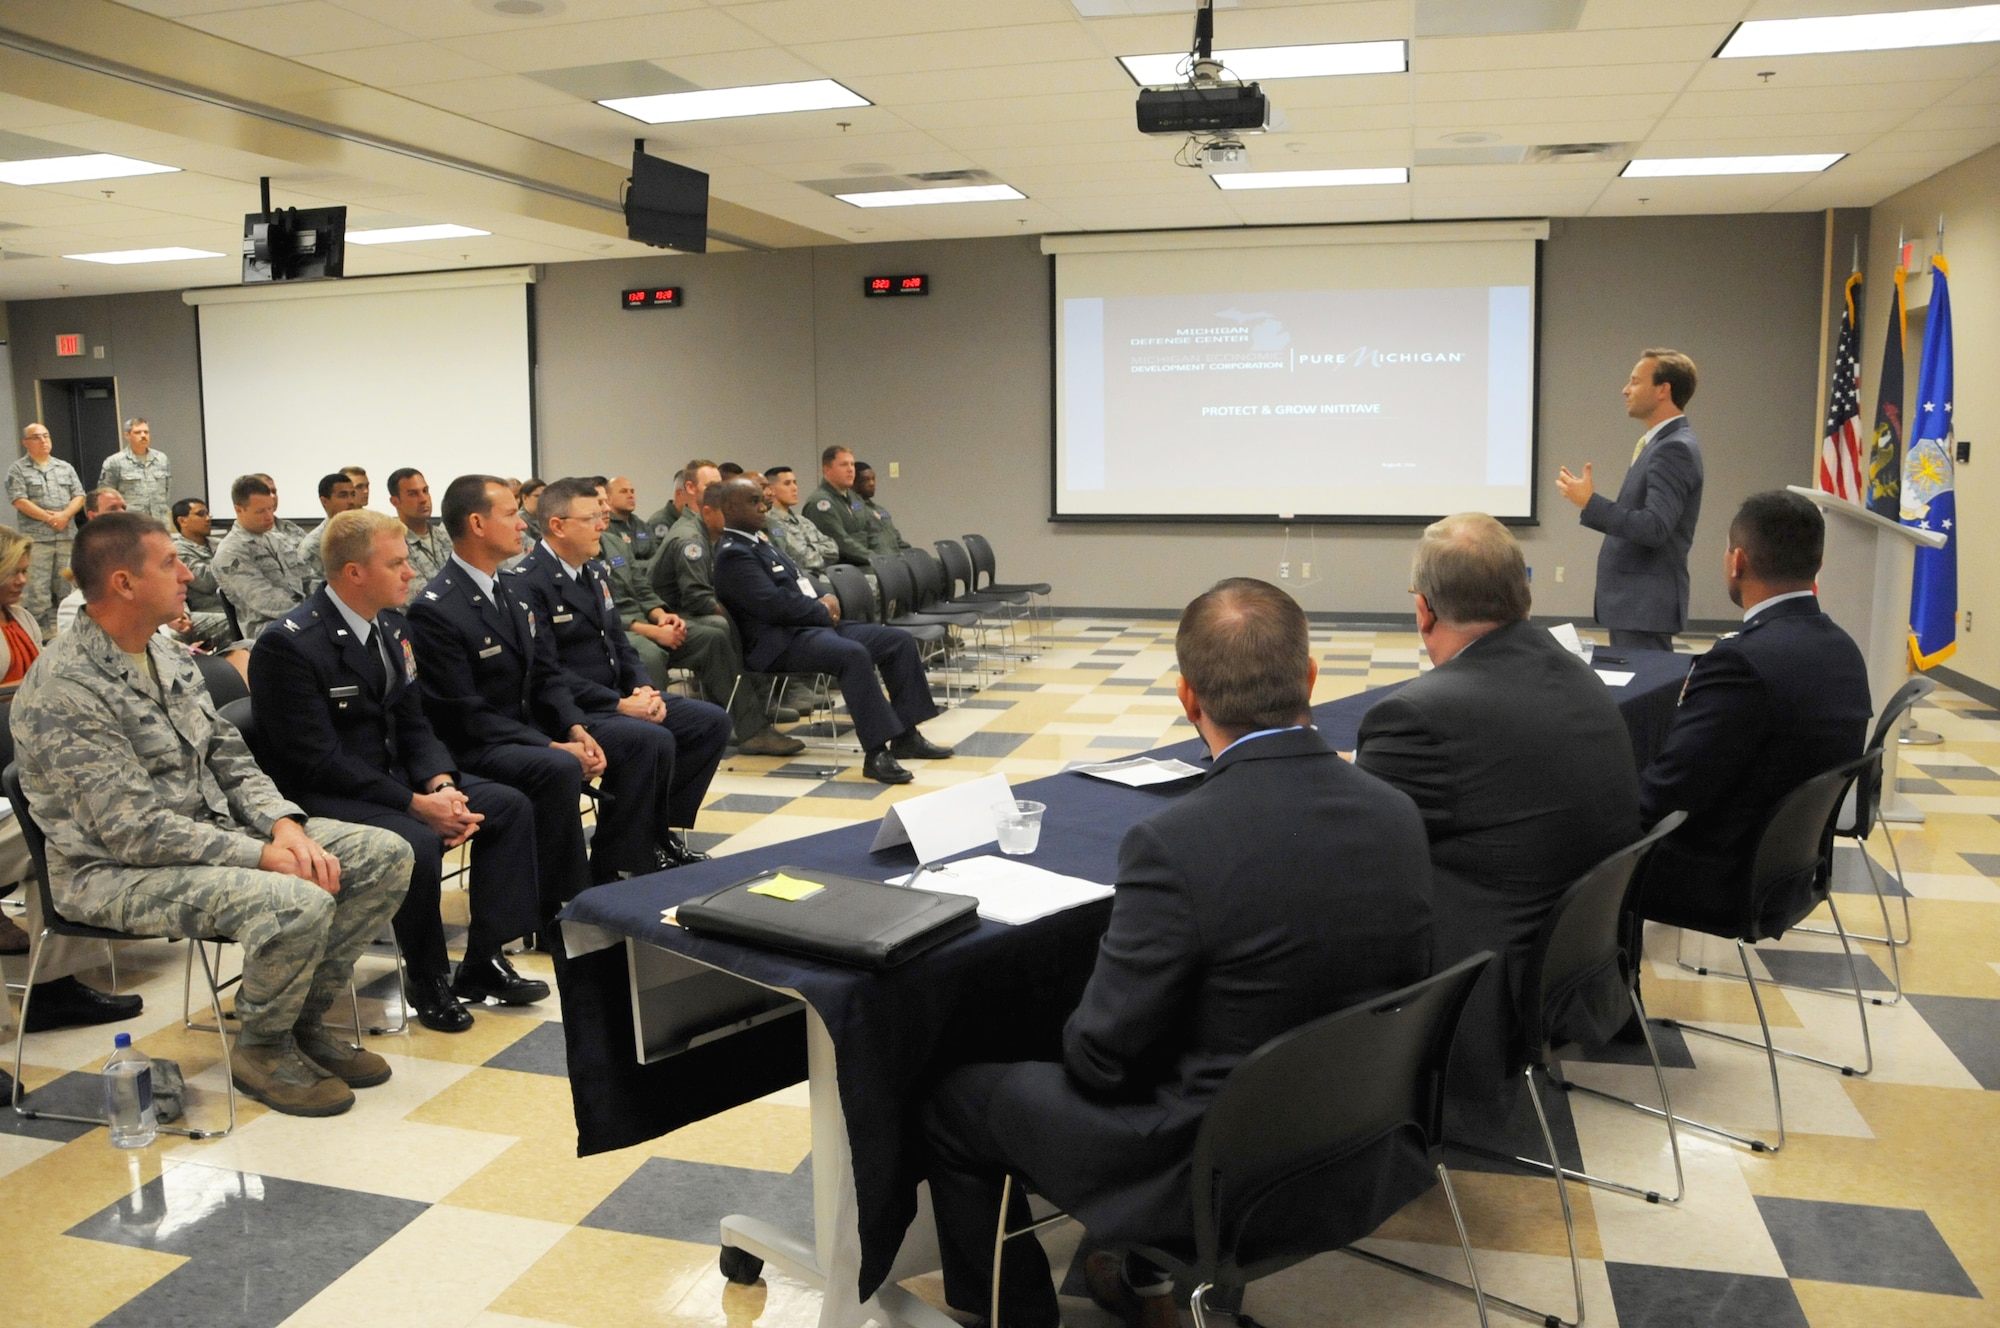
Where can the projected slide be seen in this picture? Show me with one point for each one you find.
(1385, 402)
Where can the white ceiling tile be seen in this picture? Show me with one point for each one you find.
(1529, 110)
(1829, 99)
(737, 69)
(1652, 14)
(1025, 84)
(1852, 69)
(1556, 49)
(1025, 44)
(1573, 81)
(791, 22)
(431, 19)
(394, 66)
(1063, 108)
(304, 27)
(657, 37)
(476, 96)
(1837, 129)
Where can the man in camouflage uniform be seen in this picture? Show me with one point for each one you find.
(255, 566)
(205, 609)
(159, 822)
(336, 495)
(883, 537)
(805, 543)
(624, 530)
(430, 547)
(141, 472)
(836, 509)
(47, 494)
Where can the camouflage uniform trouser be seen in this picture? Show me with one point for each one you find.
(712, 654)
(210, 629)
(46, 588)
(299, 942)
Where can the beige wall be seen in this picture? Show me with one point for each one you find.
(777, 355)
(149, 348)
(1968, 195)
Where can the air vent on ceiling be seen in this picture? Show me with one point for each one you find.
(1557, 153)
(870, 184)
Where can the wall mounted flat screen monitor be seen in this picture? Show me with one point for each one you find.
(1384, 375)
(666, 205)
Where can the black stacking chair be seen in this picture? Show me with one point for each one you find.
(899, 597)
(240, 713)
(229, 612)
(224, 683)
(1578, 986)
(1790, 876)
(1332, 1091)
(1858, 819)
(54, 924)
(980, 551)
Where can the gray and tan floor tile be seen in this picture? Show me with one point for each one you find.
(452, 1195)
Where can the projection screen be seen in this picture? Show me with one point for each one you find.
(431, 370)
(1352, 373)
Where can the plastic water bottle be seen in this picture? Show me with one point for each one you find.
(128, 1095)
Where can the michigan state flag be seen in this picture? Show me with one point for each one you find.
(1930, 499)
(1885, 451)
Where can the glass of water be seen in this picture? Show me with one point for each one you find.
(1019, 825)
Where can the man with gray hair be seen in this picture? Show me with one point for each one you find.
(47, 494)
(159, 822)
(141, 472)
(1518, 760)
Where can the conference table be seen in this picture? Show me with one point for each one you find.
(870, 1044)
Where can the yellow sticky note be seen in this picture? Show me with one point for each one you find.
(788, 888)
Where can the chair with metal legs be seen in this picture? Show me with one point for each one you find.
(1333, 1091)
(1790, 876)
(1858, 819)
(1577, 987)
(54, 924)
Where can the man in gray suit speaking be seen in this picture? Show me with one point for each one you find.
(1642, 570)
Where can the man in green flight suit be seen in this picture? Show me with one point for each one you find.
(835, 508)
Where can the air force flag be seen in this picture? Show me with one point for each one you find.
(1930, 500)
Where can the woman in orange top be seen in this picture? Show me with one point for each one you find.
(20, 637)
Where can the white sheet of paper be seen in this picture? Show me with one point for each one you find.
(1615, 677)
(1138, 771)
(1009, 891)
(948, 821)
(1566, 633)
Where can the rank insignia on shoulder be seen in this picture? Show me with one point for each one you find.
(430, 594)
(291, 626)
(693, 551)
(338, 631)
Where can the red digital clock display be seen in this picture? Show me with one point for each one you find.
(651, 297)
(907, 285)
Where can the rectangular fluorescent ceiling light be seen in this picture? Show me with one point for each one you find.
(1862, 32)
(171, 254)
(1257, 63)
(1803, 163)
(964, 193)
(819, 94)
(69, 170)
(1311, 179)
(406, 234)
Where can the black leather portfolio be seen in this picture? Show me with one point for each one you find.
(847, 919)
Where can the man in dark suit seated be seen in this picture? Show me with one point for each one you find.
(341, 726)
(1763, 711)
(788, 627)
(562, 580)
(1642, 568)
(1285, 886)
(1516, 756)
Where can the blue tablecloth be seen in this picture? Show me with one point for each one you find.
(996, 993)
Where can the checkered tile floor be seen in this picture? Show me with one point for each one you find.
(452, 1196)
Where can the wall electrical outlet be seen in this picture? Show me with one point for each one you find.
(895, 470)
(1559, 575)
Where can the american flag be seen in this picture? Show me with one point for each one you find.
(1840, 447)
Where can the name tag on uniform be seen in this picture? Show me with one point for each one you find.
(340, 693)
(806, 588)
(561, 617)
(489, 652)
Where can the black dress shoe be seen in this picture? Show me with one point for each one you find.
(882, 768)
(67, 1003)
(493, 978)
(436, 1007)
(914, 746)
(677, 849)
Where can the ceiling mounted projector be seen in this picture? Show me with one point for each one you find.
(1226, 108)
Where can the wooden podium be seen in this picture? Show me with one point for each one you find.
(1864, 585)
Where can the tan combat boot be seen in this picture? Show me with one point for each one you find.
(277, 1075)
(354, 1066)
